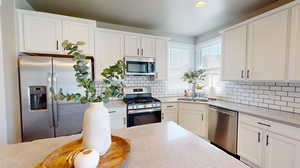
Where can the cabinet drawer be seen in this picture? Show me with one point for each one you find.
(272, 126)
(169, 106)
(114, 111)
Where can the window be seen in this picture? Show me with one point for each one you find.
(181, 60)
(208, 56)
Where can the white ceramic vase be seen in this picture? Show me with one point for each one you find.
(96, 128)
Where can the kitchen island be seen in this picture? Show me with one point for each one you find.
(160, 145)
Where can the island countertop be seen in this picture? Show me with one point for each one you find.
(160, 145)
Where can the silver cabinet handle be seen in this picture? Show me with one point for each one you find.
(258, 137)
(248, 74)
(57, 45)
(110, 112)
(124, 120)
(260, 123)
(242, 74)
(162, 116)
(267, 141)
(142, 51)
(138, 51)
(170, 106)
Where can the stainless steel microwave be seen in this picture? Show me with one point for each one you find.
(140, 66)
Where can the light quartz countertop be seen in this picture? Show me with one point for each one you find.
(160, 145)
(292, 119)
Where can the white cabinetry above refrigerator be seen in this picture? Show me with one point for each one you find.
(43, 32)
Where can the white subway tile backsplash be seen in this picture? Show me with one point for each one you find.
(288, 99)
(275, 88)
(294, 94)
(289, 89)
(281, 103)
(296, 105)
(273, 95)
(279, 93)
(288, 109)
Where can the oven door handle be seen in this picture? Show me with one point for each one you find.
(144, 110)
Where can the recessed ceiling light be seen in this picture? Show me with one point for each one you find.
(200, 4)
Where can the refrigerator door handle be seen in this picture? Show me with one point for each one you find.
(50, 100)
(55, 103)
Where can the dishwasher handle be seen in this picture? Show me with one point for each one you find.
(223, 111)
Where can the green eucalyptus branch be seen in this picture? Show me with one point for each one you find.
(113, 77)
(194, 76)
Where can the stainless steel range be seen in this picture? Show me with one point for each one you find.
(142, 108)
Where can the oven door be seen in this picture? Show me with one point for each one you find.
(141, 118)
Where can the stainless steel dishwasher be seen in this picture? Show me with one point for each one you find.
(222, 128)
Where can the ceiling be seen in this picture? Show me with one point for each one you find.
(168, 16)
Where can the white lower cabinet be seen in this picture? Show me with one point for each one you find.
(267, 144)
(193, 117)
(281, 152)
(118, 117)
(170, 112)
(250, 143)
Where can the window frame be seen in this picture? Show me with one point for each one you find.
(204, 44)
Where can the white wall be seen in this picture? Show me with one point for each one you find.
(3, 131)
(23, 4)
(173, 37)
(10, 72)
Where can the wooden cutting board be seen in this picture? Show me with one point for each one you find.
(63, 157)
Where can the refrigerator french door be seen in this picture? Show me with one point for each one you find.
(42, 116)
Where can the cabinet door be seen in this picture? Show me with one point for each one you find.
(147, 47)
(109, 49)
(192, 122)
(170, 115)
(39, 33)
(161, 55)
(268, 47)
(234, 54)
(75, 31)
(281, 152)
(294, 59)
(118, 122)
(132, 45)
(250, 143)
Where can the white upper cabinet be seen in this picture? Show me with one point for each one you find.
(136, 45)
(75, 31)
(147, 47)
(132, 45)
(234, 54)
(109, 49)
(161, 55)
(43, 33)
(267, 49)
(294, 59)
(39, 33)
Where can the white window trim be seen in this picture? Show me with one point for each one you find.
(205, 44)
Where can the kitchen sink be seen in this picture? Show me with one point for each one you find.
(193, 99)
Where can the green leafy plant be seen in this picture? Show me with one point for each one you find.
(194, 77)
(113, 78)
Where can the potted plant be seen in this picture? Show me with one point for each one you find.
(193, 78)
(96, 123)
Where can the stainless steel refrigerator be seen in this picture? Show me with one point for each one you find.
(42, 116)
